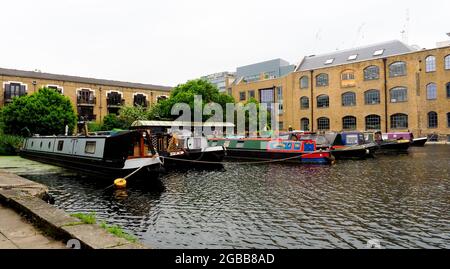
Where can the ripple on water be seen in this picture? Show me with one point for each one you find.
(401, 200)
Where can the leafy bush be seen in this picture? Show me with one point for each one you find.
(94, 127)
(112, 121)
(10, 144)
(45, 112)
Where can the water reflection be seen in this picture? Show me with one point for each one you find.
(403, 201)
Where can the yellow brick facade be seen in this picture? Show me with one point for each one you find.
(416, 107)
(70, 88)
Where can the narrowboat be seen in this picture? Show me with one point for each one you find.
(341, 145)
(178, 146)
(415, 142)
(109, 154)
(390, 142)
(266, 149)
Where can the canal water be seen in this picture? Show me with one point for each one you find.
(401, 201)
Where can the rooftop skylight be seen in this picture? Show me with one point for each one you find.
(329, 61)
(378, 52)
(352, 57)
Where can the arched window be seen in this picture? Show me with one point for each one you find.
(323, 101)
(304, 124)
(349, 99)
(322, 80)
(447, 62)
(397, 69)
(372, 73)
(431, 91)
(304, 102)
(399, 121)
(348, 78)
(372, 97)
(430, 64)
(323, 124)
(304, 82)
(373, 122)
(399, 94)
(432, 119)
(448, 89)
(349, 123)
(448, 119)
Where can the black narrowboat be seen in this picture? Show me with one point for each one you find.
(109, 154)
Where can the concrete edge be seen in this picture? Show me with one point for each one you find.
(58, 224)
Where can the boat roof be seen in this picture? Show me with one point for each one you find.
(105, 134)
(141, 123)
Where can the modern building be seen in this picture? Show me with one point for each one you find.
(388, 86)
(264, 70)
(92, 98)
(222, 80)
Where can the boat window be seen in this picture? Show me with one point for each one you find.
(49, 144)
(352, 139)
(40, 145)
(90, 147)
(240, 144)
(60, 145)
(32, 143)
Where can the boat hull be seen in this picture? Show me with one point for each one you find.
(419, 142)
(360, 153)
(288, 157)
(208, 156)
(99, 168)
(393, 147)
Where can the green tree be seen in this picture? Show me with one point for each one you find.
(185, 93)
(45, 112)
(112, 121)
(258, 111)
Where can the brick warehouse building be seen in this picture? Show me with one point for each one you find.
(388, 86)
(92, 98)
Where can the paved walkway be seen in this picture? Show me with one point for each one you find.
(17, 233)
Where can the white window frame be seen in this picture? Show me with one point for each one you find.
(15, 82)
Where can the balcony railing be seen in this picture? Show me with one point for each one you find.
(81, 100)
(88, 117)
(115, 103)
(144, 104)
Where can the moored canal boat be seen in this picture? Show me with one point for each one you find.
(341, 145)
(390, 143)
(266, 149)
(110, 154)
(177, 144)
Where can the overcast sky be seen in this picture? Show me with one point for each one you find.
(168, 42)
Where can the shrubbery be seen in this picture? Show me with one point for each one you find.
(10, 144)
(45, 112)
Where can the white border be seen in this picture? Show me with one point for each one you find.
(16, 82)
